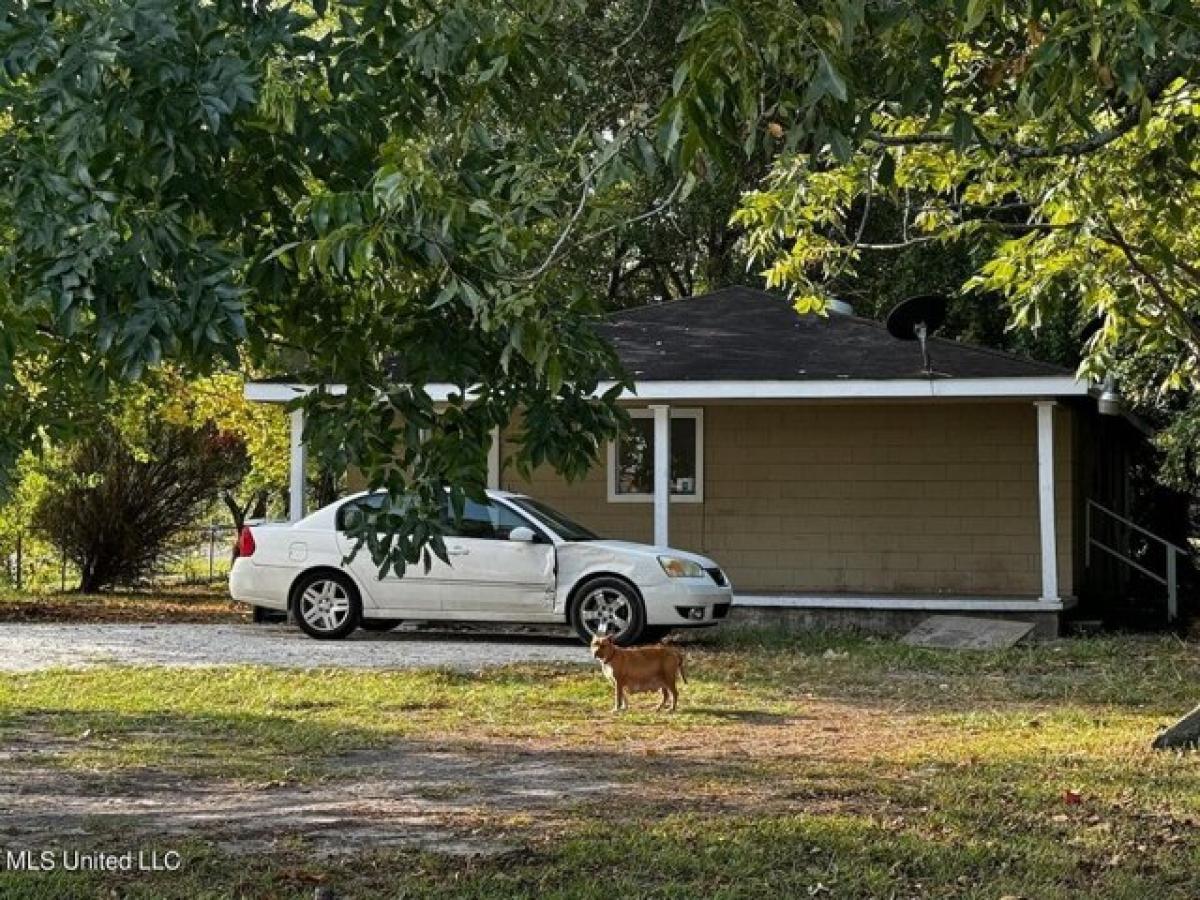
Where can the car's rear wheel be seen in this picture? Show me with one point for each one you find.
(378, 624)
(608, 607)
(327, 605)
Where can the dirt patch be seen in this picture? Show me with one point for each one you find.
(484, 795)
(202, 603)
(401, 797)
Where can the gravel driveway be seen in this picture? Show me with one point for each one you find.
(26, 648)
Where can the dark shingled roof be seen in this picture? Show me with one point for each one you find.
(743, 334)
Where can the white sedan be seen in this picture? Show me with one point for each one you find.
(512, 559)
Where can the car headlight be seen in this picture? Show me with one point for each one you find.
(680, 568)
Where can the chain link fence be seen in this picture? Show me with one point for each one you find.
(30, 561)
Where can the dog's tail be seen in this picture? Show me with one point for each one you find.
(682, 674)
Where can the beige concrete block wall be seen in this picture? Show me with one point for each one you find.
(873, 498)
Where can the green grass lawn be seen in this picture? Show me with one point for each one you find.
(816, 766)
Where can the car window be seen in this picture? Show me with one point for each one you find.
(567, 529)
(347, 514)
(489, 521)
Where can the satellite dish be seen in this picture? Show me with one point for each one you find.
(915, 319)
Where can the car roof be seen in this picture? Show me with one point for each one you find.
(490, 492)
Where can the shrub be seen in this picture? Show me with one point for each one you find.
(117, 510)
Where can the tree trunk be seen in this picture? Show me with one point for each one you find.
(1184, 733)
(237, 512)
(325, 487)
(254, 508)
(90, 579)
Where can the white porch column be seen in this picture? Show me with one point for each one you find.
(1046, 518)
(297, 468)
(493, 473)
(662, 473)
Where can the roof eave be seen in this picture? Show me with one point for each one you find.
(862, 389)
(285, 392)
(837, 389)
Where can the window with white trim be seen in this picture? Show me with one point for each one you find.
(631, 458)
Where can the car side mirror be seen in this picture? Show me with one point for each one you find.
(522, 534)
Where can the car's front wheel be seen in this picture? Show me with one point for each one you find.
(608, 607)
(327, 605)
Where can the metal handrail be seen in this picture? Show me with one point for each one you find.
(1169, 579)
(1129, 562)
(1134, 525)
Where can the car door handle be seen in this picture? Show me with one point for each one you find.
(457, 551)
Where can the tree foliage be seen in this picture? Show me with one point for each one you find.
(626, 53)
(135, 418)
(219, 401)
(391, 193)
(116, 159)
(30, 482)
(379, 195)
(1058, 139)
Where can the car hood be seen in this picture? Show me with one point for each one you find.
(635, 549)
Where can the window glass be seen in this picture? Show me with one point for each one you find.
(683, 456)
(348, 513)
(635, 457)
(567, 529)
(488, 521)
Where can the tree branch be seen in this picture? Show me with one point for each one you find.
(636, 31)
(1172, 306)
(1156, 85)
(614, 274)
(898, 245)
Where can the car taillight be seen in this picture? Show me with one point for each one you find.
(245, 542)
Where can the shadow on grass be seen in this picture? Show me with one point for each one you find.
(959, 824)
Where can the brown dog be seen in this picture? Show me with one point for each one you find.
(640, 669)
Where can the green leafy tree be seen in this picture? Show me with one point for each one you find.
(380, 194)
(16, 517)
(253, 439)
(385, 194)
(665, 238)
(1036, 161)
(219, 401)
(1048, 146)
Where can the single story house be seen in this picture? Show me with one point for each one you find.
(828, 474)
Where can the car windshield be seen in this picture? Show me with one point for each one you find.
(566, 529)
